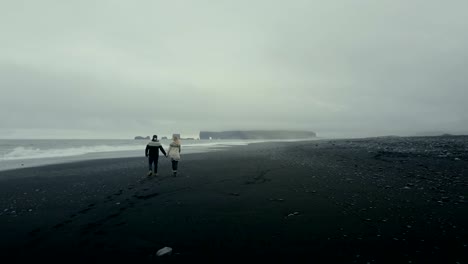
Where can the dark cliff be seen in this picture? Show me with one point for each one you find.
(258, 134)
(140, 137)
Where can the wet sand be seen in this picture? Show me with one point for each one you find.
(382, 200)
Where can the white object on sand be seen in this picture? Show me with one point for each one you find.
(164, 251)
(293, 214)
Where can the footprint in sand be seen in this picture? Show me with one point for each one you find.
(145, 197)
(59, 225)
(34, 232)
(100, 233)
(90, 227)
(84, 210)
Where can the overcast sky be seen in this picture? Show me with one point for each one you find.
(93, 69)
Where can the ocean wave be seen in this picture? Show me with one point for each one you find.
(37, 153)
(216, 144)
(23, 153)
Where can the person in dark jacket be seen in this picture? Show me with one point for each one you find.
(152, 152)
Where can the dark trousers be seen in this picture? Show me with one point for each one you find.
(175, 163)
(154, 160)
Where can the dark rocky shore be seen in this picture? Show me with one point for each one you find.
(378, 200)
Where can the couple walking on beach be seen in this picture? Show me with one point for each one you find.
(152, 152)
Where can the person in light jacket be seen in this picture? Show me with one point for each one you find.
(174, 154)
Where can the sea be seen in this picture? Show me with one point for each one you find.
(24, 153)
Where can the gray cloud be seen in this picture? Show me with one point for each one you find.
(120, 68)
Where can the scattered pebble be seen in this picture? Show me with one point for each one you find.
(277, 200)
(164, 251)
(293, 214)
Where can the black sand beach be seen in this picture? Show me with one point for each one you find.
(381, 200)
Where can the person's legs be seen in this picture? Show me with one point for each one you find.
(150, 165)
(156, 159)
(174, 166)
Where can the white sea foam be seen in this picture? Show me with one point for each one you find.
(23, 153)
(16, 154)
(216, 144)
(36, 149)
(37, 153)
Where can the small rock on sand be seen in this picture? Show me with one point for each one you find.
(165, 251)
(293, 214)
(277, 200)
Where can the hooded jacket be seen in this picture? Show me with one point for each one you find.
(174, 151)
(152, 149)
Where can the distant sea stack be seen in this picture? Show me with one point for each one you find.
(258, 134)
(140, 137)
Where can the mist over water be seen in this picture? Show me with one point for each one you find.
(341, 69)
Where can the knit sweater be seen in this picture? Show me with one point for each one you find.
(152, 149)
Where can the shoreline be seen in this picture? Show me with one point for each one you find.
(16, 164)
(341, 201)
(51, 161)
(13, 164)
